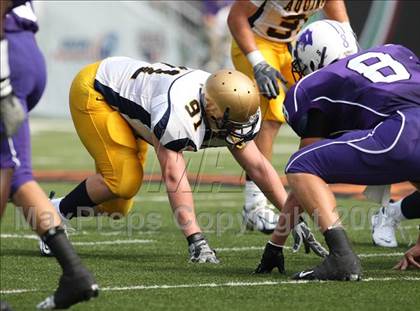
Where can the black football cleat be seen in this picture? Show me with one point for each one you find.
(334, 268)
(72, 289)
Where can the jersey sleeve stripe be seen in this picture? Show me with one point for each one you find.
(124, 105)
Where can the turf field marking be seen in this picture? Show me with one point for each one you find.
(108, 242)
(239, 249)
(250, 248)
(18, 236)
(222, 249)
(228, 284)
(17, 291)
(113, 242)
(380, 255)
(241, 284)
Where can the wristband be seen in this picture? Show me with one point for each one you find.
(255, 57)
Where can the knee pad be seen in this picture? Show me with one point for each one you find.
(116, 208)
(125, 181)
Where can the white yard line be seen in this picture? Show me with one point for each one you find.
(114, 242)
(18, 236)
(212, 285)
(239, 249)
(138, 241)
(380, 255)
(107, 242)
(252, 248)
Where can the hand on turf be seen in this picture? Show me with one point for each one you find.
(266, 77)
(201, 252)
(271, 258)
(411, 259)
(303, 235)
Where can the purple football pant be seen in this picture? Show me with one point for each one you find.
(387, 154)
(28, 78)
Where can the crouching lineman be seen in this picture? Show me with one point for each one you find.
(120, 105)
(359, 123)
(23, 76)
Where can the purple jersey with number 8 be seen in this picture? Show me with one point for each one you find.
(371, 101)
(359, 91)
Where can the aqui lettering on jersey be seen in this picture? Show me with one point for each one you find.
(281, 20)
(304, 5)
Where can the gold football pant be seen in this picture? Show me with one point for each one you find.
(119, 158)
(278, 56)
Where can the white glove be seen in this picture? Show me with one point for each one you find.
(201, 252)
(303, 235)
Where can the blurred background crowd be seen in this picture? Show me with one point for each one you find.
(191, 33)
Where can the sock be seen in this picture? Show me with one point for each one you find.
(195, 237)
(410, 206)
(60, 246)
(78, 197)
(394, 211)
(253, 194)
(337, 241)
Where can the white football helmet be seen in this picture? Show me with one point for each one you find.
(320, 44)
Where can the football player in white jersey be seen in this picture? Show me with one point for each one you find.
(120, 105)
(263, 32)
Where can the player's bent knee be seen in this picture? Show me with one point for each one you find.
(116, 208)
(126, 182)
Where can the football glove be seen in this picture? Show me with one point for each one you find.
(303, 235)
(271, 258)
(201, 252)
(266, 77)
(12, 113)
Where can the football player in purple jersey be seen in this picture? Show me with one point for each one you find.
(21, 88)
(359, 120)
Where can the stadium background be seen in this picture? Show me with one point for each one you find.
(143, 264)
(75, 33)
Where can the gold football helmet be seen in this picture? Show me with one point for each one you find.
(231, 101)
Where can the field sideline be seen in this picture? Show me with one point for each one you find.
(140, 261)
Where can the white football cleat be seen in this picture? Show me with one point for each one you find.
(261, 217)
(383, 229)
(43, 247)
